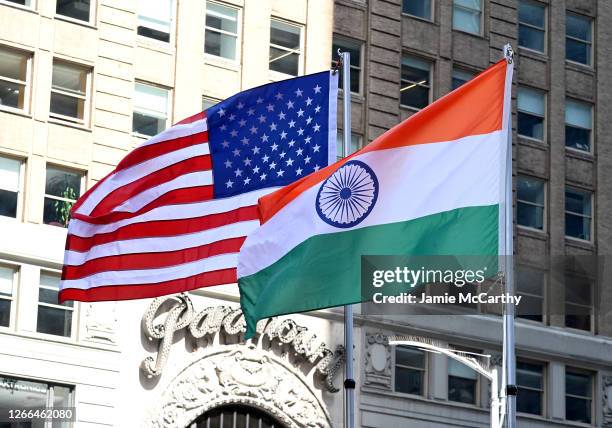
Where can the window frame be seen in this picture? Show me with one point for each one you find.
(481, 31)
(592, 375)
(592, 309)
(238, 34)
(347, 39)
(144, 40)
(477, 394)
(85, 122)
(92, 15)
(16, 268)
(277, 75)
(591, 217)
(82, 190)
(543, 117)
(458, 69)
(431, 12)
(168, 107)
(74, 309)
(545, 29)
(591, 136)
(424, 372)
(544, 297)
(10, 3)
(590, 44)
(50, 396)
(213, 100)
(20, 189)
(522, 201)
(544, 406)
(27, 96)
(403, 81)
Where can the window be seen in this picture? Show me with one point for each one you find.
(69, 92)
(14, 77)
(53, 318)
(530, 202)
(578, 38)
(578, 125)
(355, 144)
(150, 110)
(7, 294)
(62, 188)
(530, 286)
(460, 77)
(27, 3)
(10, 186)
(578, 214)
(415, 82)
(462, 382)
(419, 8)
(354, 48)
(285, 43)
(409, 370)
(221, 34)
(20, 393)
(208, 102)
(531, 113)
(238, 416)
(532, 25)
(154, 19)
(467, 15)
(75, 9)
(578, 301)
(578, 395)
(530, 382)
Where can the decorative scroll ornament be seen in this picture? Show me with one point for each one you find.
(606, 382)
(378, 361)
(216, 319)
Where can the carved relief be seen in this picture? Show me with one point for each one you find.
(101, 322)
(606, 382)
(239, 374)
(378, 361)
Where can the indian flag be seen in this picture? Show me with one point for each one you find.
(432, 185)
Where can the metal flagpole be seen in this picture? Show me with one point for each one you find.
(349, 382)
(509, 308)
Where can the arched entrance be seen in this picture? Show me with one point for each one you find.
(236, 416)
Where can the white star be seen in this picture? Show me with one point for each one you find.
(228, 163)
(317, 109)
(238, 172)
(247, 181)
(255, 150)
(316, 127)
(307, 140)
(245, 141)
(280, 173)
(307, 159)
(263, 176)
(251, 111)
(308, 120)
(283, 135)
(289, 162)
(298, 171)
(308, 101)
(240, 105)
(299, 92)
(236, 152)
(256, 170)
(273, 165)
(316, 148)
(232, 117)
(317, 89)
(221, 112)
(270, 107)
(262, 118)
(278, 96)
(317, 167)
(291, 143)
(264, 138)
(223, 127)
(273, 126)
(242, 122)
(259, 100)
(282, 155)
(247, 162)
(300, 131)
(290, 104)
(274, 147)
(253, 130)
(225, 144)
(292, 124)
(265, 158)
(229, 183)
(234, 133)
(281, 116)
(299, 152)
(300, 113)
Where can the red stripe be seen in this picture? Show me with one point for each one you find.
(159, 228)
(123, 193)
(144, 153)
(191, 119)
(152, 260)
(127, 292)
(175, 197)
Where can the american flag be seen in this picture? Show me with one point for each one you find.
(174, 213)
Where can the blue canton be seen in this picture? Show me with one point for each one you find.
(271, 135)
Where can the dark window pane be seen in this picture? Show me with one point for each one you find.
(530, 216)
(531, 308)
(77, 9)
(21, 2)
(577, 227)
(284, 62)
(64, 184)
(408, 381)
(578, 202)
(530, 190)
(417, 97)
(529, 401)
(530, 126)
(578, 27)
(12, 94)
(529, 375)
(147, 125)
(578, 138)
(67, 106)
(212, 43)
(8, 203)
(285, 35)
(409, 357)
(531, 13)
(5, 312)
(153, 34)
(414, 74)
(56, 213)
(54, 321)
(579, 322)
(531, 38)
(420, 8)
(461, 390)
(578, 410)
(578, 51)
(578, 384)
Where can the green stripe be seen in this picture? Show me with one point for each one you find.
(324, 270)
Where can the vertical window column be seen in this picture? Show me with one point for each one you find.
(578, 125)
(409, 370)
(531, 113)
(415, 82)
(532, 25)
(69, 92)
(62, 188)
(155, 19)
(11, 184)
(467, 16)
(150, 110)
(53, 318)
(14, 78)
(285, 48)
(221, 31)
(7, 294)
(578, 38)
(578, 395)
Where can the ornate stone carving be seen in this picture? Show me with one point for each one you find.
(239, 374)
(216, 319)
(606, 382)
(378, 361)
(496, 360)
(101, 322)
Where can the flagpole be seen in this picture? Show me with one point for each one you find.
(509, 308)
(349, 382)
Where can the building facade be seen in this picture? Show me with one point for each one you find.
(83, 82)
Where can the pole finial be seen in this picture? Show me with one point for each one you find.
(338, 63)
(509, 53)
